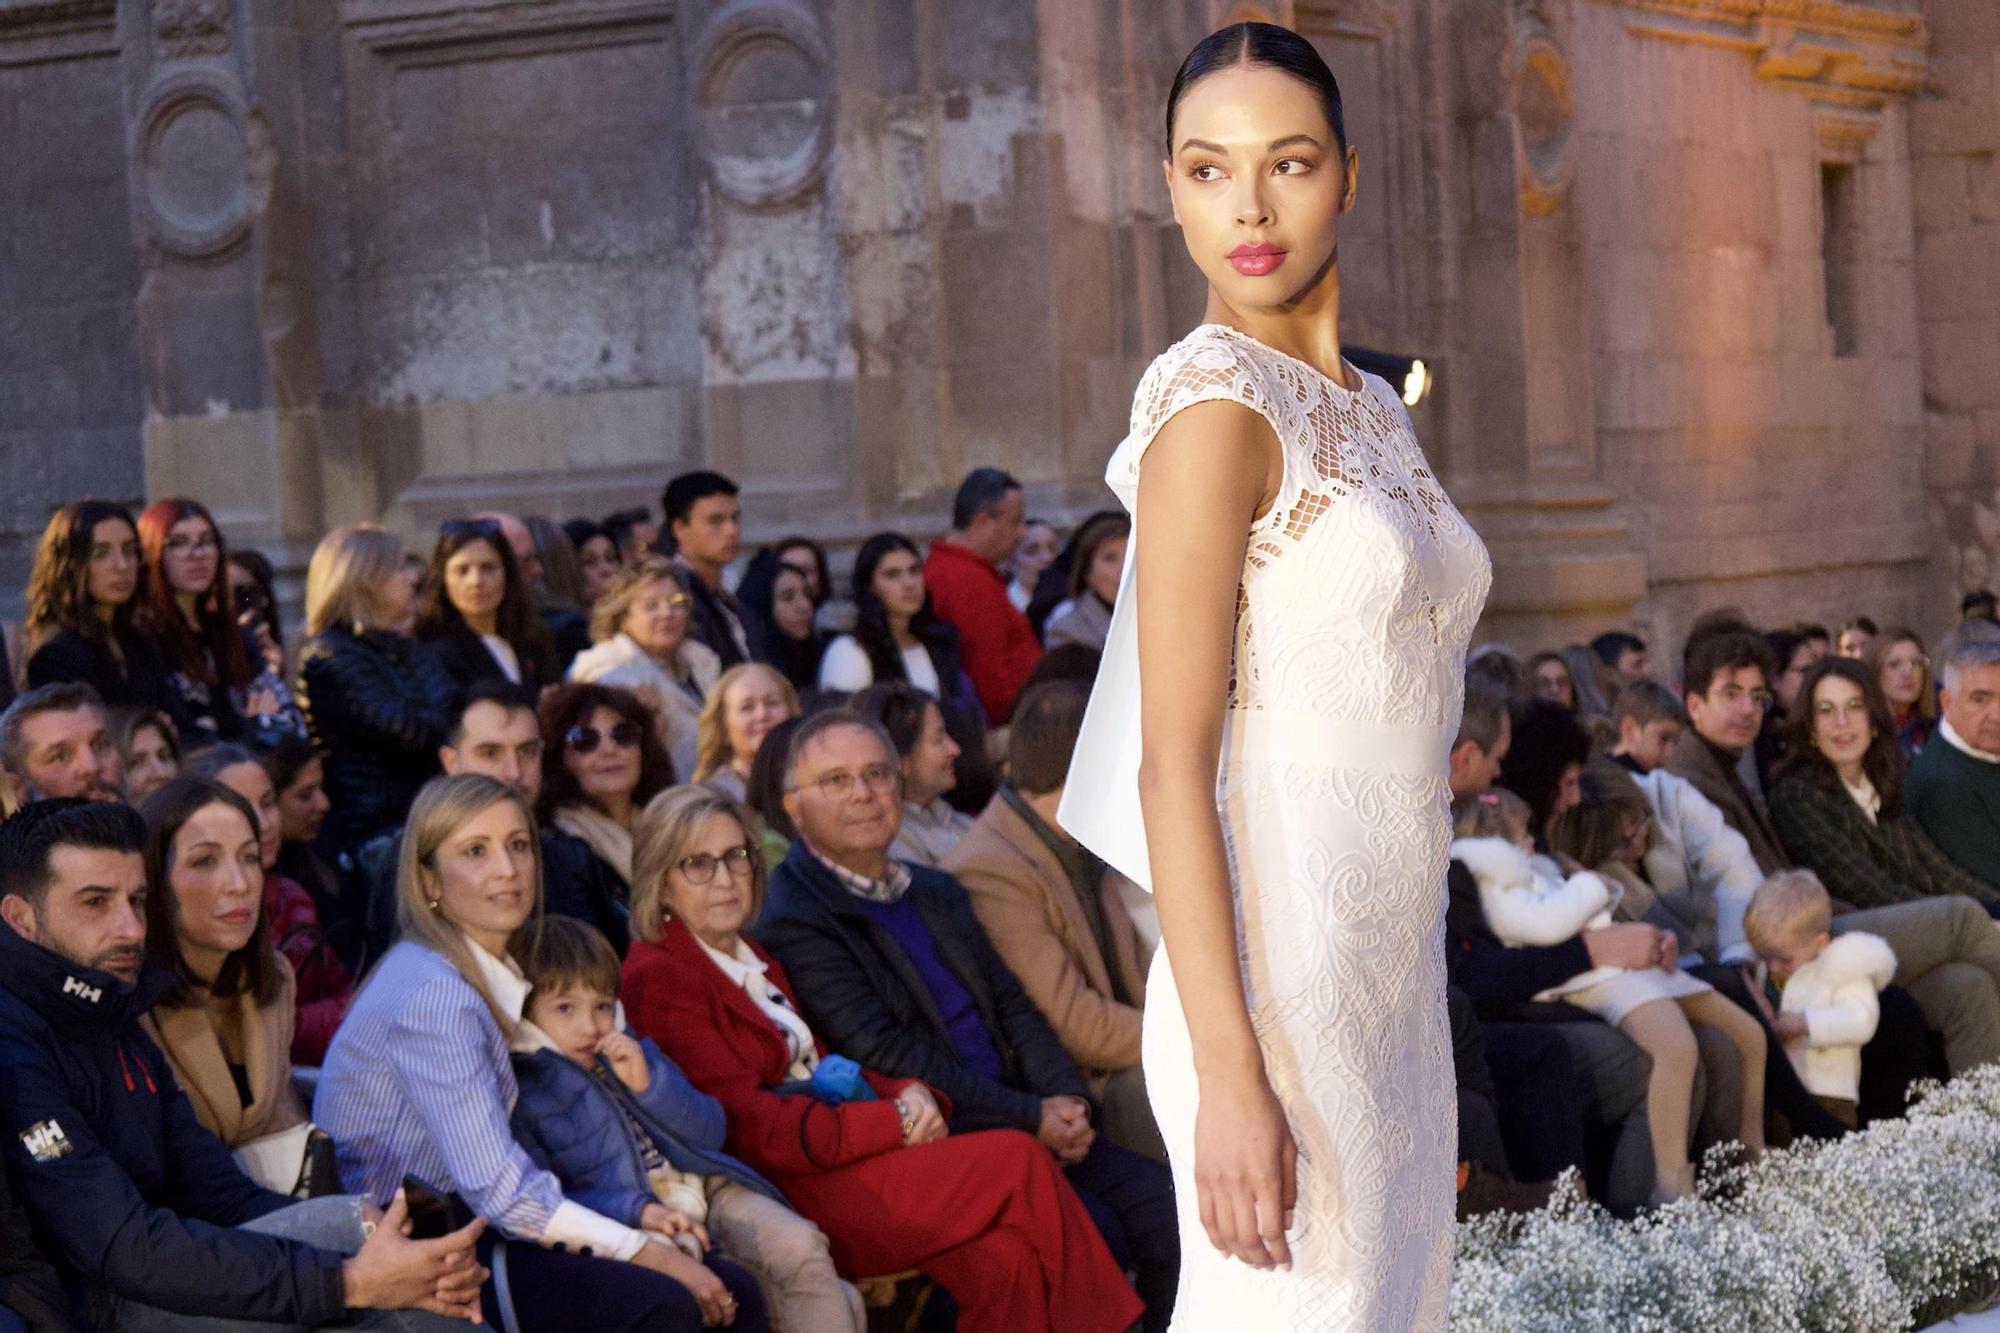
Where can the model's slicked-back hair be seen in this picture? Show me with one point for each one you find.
(1264, 44)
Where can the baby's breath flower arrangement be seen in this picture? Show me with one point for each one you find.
(1893, 1228)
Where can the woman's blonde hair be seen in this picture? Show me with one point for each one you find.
(608, 612)
(711, 743)
(345, 567)
(666, 827)
(443, 807)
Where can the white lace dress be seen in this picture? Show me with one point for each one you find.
(1359, 593)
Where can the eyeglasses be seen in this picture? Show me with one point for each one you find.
(584, 740)
(700, 868)
(191, 545)
(880, 779)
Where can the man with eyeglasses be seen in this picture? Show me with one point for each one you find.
(893, 970)
(496, 734)
(1726, 682)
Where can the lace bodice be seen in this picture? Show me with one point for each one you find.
(1362, 584)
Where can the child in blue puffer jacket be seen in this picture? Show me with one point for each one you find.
(627, 1135)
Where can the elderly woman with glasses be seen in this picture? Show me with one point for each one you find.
(639, 626)
(870, 1159)
(601, 763)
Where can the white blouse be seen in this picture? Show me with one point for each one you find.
(746, 969)
(845, 666)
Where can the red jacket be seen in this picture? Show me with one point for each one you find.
(675, 994)
(324, 988)
(996, 643)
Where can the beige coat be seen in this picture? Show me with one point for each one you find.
(192, 1046)
(1024, 900)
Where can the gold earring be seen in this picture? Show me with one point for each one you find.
(434, 904)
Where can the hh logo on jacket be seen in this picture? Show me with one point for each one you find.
(71, 986)
(46, 1141)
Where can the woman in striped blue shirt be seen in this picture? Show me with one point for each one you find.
(418, 1082)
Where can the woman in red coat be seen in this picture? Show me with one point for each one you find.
(987, 1216)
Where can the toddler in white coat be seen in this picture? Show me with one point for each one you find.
(1830, 1002)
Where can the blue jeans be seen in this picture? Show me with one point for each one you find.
(328, 1224)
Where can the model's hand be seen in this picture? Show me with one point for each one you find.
(1245, 1171)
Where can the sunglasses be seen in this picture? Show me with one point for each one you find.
(583, 740)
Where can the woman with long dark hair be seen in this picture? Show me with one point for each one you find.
(1289, 660)
(81, 597)
(896, 634)
(778, 594)
(476, 612)
(185, 604)
(1098, 565)
(1837, 804)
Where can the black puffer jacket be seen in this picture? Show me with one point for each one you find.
(378, 706)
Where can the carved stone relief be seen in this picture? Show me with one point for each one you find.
(191, 164)
(763, 94)
(184, 28)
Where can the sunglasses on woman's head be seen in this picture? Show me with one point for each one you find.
(468, 527)
(583, 740)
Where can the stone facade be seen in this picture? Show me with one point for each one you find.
(1708, 285)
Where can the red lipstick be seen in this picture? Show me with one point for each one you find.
(1254, 261)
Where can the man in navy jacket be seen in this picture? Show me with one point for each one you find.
(139, 1203)
(893, 970)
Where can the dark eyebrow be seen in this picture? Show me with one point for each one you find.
(1271, 147)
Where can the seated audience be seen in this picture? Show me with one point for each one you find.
(777, 597)
(1526, 900)
(185, 606)
(1725, 679)
(1649, 722)
(705, 521)
(31, 1294)
(322, 985)
(892, 967)
(377, 701)
(143, 1209)
(927, 759)
(1045, 904)
(498, 735)
(419, 1083)
(147, 748)
(744, 705)
(1979, 604)
(82, 597)
(226, 1019)
(1093, 584)
(873, 1160)
(601, 763)
(1953, 787)
(624, 1131)
(1838, 802)
(1791, 654)
(997, 644)
(1625, 653)
(54, 741)
(477, 610)
(1830, 1003)
(1497, 665)
(1901, 667)
(597, 558)
(1855, 637)
(640, 627)
(897, 636)
(299, 777)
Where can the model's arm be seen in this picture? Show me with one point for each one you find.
(1204, 479)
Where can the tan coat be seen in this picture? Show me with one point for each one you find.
(192, 1046)
(1024, 900)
